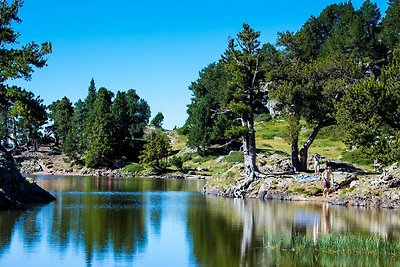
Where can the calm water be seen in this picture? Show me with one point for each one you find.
(154, 222)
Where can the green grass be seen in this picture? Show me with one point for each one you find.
(133, 168)
(234, 157)
(270, 139)
(337, 243)
(201, 159)
(357, 157)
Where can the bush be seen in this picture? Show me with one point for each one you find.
(357, 157)
(187, 156)
(234, 156)
(134, 168)
(177, 162)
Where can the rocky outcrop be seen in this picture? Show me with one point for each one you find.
(350, 188)
(15, 190)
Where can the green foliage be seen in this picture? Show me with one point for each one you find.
(177, 162)
(133, 168)
(201, 159)
(370, 115)
(390, 33)
(157, 120)
(234, 157)
(21, 113)
(155, 151)
(99, 151)
(358, 156)
(187, 156)
(321, 60)
(100, 128)
(204, 125)
(61, 112)
(17, 62)
(336, 243)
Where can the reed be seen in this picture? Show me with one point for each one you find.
(337, 243)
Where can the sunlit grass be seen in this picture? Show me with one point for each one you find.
(178, 141)
(270, 137)
(337, 243)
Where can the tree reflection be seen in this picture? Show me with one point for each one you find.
(226, 232)
(8, 220)
(100, 222)
(117, 219)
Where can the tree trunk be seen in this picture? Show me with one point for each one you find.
(249, 150)
(310, 140)
(295, 154)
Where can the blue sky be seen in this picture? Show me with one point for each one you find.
(155, 47)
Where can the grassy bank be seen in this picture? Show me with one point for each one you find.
(270, 139)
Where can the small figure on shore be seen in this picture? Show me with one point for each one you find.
(327, 177)
(377, 166)
(317, 163)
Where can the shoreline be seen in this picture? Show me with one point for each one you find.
(353, 187)
(281, 188)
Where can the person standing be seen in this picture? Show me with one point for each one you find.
(327, 177)
(317, 163)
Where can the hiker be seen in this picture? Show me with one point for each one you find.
(377, 166)
(327, 177)
(317, 163)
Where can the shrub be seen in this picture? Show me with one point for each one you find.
(187, 156)
(357, 157)
(177, 162)
(234, 156)
(134, 168)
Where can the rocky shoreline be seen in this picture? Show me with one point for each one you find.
(353, 187)
(360, 189)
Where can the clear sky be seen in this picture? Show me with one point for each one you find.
(155, 47)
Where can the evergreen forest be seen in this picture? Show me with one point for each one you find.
(341, 68)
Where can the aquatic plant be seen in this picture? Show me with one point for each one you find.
(336, 243)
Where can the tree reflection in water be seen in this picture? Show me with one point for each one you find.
(227, 232)
(102, 221)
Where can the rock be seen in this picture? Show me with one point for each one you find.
(354, 184)
(38, 168)
(16, 191)
(220, 159)
(395, 183)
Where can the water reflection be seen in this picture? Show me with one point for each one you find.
(238, 232)
(153, 222)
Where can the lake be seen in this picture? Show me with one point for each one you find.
(100, 221)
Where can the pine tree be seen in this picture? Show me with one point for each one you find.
(61, 112)
(17, 62)
(391, 26)
(99, 152)
(155, 151)
(242, 61)
(157, 120)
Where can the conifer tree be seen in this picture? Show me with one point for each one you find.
(17, 62)
(156, 150)
(242, 61)
(99, 152)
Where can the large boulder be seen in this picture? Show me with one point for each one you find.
(15, 190)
